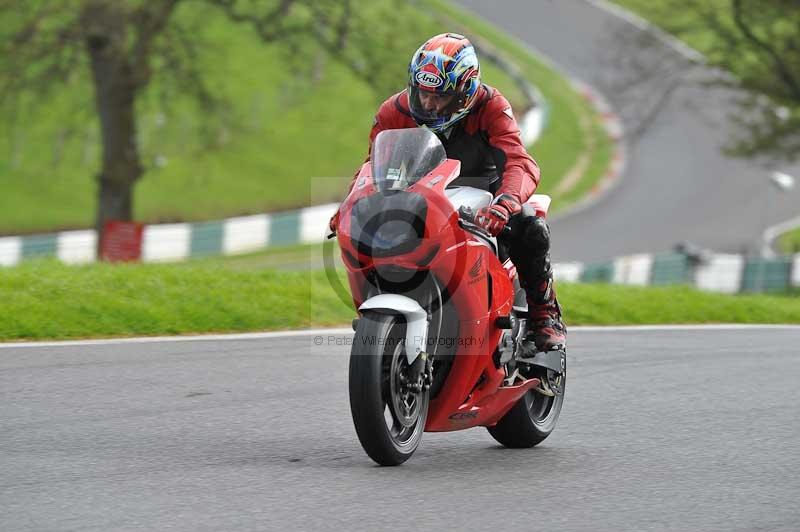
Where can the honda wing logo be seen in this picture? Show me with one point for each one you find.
(476, 268)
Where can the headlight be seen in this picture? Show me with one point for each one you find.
(388, 224)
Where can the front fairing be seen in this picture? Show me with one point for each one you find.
(415, 228)
(404, 228)
(397, 210)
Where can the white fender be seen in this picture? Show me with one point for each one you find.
(415, 315)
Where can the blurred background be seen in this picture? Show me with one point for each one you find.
(227, 127)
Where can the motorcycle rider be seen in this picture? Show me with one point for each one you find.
(476, 126)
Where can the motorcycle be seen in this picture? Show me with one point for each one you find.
(437, 344)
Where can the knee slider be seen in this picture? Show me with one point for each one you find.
(537, 235)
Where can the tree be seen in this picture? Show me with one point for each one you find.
(754, 45)
(44, 42)
(762, 49)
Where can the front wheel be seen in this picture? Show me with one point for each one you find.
(389, 417)
(532, 418)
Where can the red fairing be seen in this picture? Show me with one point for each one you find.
(474, 393)
(493, 119)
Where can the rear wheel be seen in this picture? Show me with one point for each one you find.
(532, 418)
(388, 415)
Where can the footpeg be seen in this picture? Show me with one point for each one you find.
(555, 361)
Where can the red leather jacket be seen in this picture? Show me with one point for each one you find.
(487, 142)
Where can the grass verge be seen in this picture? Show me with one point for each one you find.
(789, 242)
(47, 300)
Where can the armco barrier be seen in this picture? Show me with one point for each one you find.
(39, 246)
(245, 234)
(206, 239)
(634, 269)
(568, 272)
(174, 242)
(10, 250)
(794, 281)
(598, 273)
(669, 269)
(166, 242)
(766, 275)
(714, 272)
(76, 247)
(721, 273)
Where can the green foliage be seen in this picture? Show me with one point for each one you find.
(757, 43)
(789, 242)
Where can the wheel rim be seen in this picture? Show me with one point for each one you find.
(404, 410)
(543, 410)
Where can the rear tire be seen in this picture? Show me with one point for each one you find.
(389, 420)
(530, 420)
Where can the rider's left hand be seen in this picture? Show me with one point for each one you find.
(333, 224)
(495, 217)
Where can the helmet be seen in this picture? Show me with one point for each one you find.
(445, 65)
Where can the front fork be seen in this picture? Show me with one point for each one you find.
(420, 374)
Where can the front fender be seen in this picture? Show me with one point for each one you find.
(416, 319)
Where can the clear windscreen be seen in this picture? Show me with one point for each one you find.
(400, 157)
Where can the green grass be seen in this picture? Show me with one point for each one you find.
(789, 242)
(48, 300)
(598, 304)
(269, 148)
(301, 257)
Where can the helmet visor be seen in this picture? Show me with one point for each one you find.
(432, 106)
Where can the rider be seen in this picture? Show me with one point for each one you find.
(476, 125)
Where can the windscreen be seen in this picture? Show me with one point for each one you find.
(400, 157)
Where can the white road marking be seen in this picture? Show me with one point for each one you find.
(347, 331)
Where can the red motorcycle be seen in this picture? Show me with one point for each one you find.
(437, 343)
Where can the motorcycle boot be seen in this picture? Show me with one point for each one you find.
(546, 330)
(530, 252)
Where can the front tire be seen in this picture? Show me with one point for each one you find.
(530, 420)
(389, 419)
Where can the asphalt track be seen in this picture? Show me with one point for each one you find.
(682, 429)
(677, 186)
